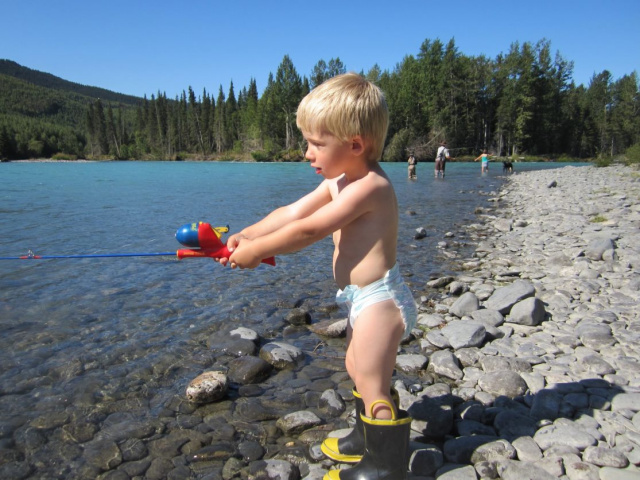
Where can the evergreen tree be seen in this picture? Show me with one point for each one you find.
(625, 114)
(268, 116)
(319, 73)
(220, 123)
(287, 91)
(195, 127)
(231, 117)
(91, 129)
(111, 132)
(250, 125)
(183, 143)
(599, 103)
(100, 126)
(336, 67)
(207, 118)
(6, 143)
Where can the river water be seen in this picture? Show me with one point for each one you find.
(81, 333)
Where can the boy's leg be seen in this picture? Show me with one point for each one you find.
(372, 346)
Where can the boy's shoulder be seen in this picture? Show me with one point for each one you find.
(374, 183)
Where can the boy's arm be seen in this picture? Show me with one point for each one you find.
(291, 237)
(301, 208)
(282, 216)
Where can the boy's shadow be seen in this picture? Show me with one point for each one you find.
(469, 432)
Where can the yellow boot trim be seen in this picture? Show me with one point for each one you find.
(394, 420)
(330, 448)
(330, 444)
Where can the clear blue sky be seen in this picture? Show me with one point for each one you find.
(141, 47)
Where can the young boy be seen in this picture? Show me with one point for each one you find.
(344, 121)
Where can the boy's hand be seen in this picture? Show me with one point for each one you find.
(232, 242)
(243, 255)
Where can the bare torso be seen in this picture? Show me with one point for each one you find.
(366, 248)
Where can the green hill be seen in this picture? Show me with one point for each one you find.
(46, 80)
(42, 115)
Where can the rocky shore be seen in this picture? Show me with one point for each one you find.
(524, 365)
(551, 387)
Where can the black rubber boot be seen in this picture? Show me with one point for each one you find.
(347, 449)
(386, 453)
(350, 449)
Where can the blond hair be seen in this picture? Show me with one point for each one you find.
(345, 106)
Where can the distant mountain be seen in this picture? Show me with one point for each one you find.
(42, 115)
(46, 80)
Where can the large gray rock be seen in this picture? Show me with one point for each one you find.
(430, 320)
(598, 246)
(297, 422)
(426, 460)
(568, 435)
(464, 334)
(627, 401)
(546, 405)
(437, 339)
(330, 328)
(512, 470)
(411, 362)
(247, 370)
(595, 335)
(527, 449)
(245, 333)
(444, 363)
(529, 312)
(605, 457)
(208, 387)
(281, 355)
(454, 471)
(596, 364)
(461, 449)
(495, 451)
(298, 316)
(513, 425)
(464, 305)
(503, 382)
(332, 403)
(504, 298)
(273, 469)
(488, 317)
(503, 225)
(432, 417)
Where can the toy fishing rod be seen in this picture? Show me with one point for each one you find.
(205, 240)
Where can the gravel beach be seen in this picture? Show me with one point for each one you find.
(542, 351)
(524, 365)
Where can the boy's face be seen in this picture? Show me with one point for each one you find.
(329, 155)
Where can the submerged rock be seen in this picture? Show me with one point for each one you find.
(208, 387)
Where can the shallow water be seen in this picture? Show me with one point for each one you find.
(85, 332)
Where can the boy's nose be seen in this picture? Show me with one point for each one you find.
(308, 155)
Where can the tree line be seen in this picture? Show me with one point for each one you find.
(229, 125)
(523, 102)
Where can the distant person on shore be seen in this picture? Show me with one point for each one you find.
(412, 167)
(344, 121)
(441, 159)
(484, 158)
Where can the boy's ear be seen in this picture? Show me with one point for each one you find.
(358, 146)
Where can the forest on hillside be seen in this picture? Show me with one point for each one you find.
(521, 103)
